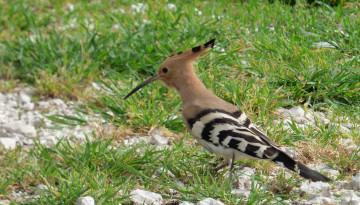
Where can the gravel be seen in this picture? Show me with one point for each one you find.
(22, 121)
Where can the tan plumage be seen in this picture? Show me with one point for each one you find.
(217, 125)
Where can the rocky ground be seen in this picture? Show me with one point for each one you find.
(22, 121)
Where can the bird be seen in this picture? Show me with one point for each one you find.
(219, 126)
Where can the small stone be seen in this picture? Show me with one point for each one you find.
(171, 191)
(12, 104)
(40, 189)
(28, 106)
(323, 44)
(283, 111)
(180, 184)
(20, 127)
(162, 170)
(158, 140)
(297, 112)
(300, 120)
(324, 121)
(349, 198)
(309, 117)
(241, 193)
(242, 182)
(24, 98)
(8, 142)
(186, 203)
(348, 144)
(170, 6)
(344, 129)
(315, 188)
(140, 197)
(348, 125)
(327, 170)
(136, 140)
(87, 200)
(209, 201)
(355, 182)
(342, 184)
(320, 200)
(5, 202)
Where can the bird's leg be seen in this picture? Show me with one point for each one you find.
(221, 166)
(231, 167)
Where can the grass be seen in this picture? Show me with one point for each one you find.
(265, 57)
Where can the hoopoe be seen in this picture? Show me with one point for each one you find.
(220, 127)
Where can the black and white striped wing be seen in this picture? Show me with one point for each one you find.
(232, 130)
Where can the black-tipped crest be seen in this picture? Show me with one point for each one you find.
(211, 43)
(196, 49)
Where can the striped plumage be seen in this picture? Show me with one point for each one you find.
(216, 124)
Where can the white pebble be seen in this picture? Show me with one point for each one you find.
(7, 142)
(315, 188)
(241, 193)
(297, 112)
(171, 7)
(88, 200)
(140, 197)
(210, 201)
(159, 140)
(355, 182)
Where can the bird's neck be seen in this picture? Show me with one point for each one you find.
(190, 87)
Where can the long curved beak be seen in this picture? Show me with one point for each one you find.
(148, 81)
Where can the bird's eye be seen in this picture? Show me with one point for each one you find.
(165, 70)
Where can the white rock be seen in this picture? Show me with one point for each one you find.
(245, 171)
(325, 121)
(171, 191)
(242, 182)
(283, 111)
(12, 103)
(136, 140)
(3, 98)
(313, 189)
(355, 182)
(170, 6)
(348, 125)
(139, 8)
(342, 184)
(209, 201)
(180, 184)
(322, 200)
(24, 98)
(186, 203)
(300, 120)
(323, 44)
(349, 198)
(241, 193)
(19, 127)
(297, 112)
(28, 106)
(309, 117)
(40, 189)
(162, 170)
(327, 170)
(87, 200)
(140, 197)
(7, 142)
(159, 140)
(348, 144)
(5, 202)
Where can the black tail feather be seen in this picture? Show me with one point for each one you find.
(299, 168)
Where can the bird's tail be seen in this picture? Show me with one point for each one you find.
(288, 162)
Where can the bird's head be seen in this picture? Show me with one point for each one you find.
(176, 67)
